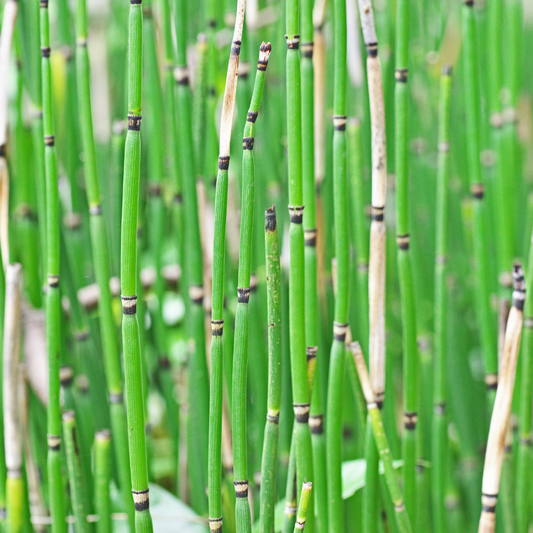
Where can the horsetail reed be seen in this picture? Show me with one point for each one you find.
(101, 257)
(439, 425)
(404, 525)
(502, 406)
(477, 190)
(242, 314)
(130, 324)
(336, 365)
(193, 272)
(270, 443)
(11, 384)
(217, 313)
(300, 392)
(102, 474)
(74, 471)
(53, 303)
(405, 268)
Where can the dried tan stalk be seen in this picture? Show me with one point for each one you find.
(12, 434)
(228, 105)
(502, 407)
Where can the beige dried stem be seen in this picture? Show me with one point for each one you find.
(12, 323)
(6, 38)
(502, 406)
(376, 274)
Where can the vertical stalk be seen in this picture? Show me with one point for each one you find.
(270, 446)
(300, 392)
(53, 297)
(342, 248)
(525, 436)
(130, 324)
(376, 275)
(217, 313)
(316, 418)
(193, 274)
(471, 90)
(405, 268)
(102, 474)
(440, 430)
(242, 314)
(11, 384)
(499, 423)
(99, 242)
(74, 472)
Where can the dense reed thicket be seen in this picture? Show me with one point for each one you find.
(323, 323)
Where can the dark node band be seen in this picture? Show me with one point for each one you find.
(372, 49)
(82, 43)
(410, 420)
(181, 75)
(253, 283)
(212, 23)
(270, 219)
(296, 214)
(265, 47)
(95, 210)
(154, 189)
(440, 409)
(273, 419)
(243, 295)
(339, 331)
(49, 140)
(66, 375)
(178, 198)
(307, 49)
(223, 162)
(488, 508)
(403, 241)
(164, 362)
(235, 48)
(310, 237)
(518, 300)
(134, 121)
(116, 398)
(2, 150)
(129, 305)
(54, 442)
(43, 4)
(81, 335)
(241, 489)
(45, 50)
(469, 3)
(141, 499)
(446, 70)
(196, 294)
(400, 75)
(147, 12)
(377, 213)
(311, 352)
(491, 381)
(135, 2)
(248, 143)
(339, 122)
(301, 412)
(477, 190)
(316, 424)
(215, 524)
(53, 281)
(217, 328)
(294, 43)
(251, 116)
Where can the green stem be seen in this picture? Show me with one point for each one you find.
(102, 474)
(303, 507)
(440, 434)
(130, 324)
(270, 446)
